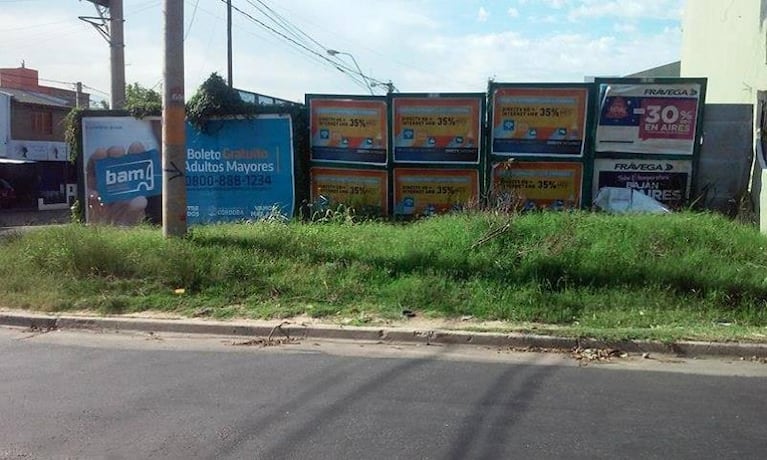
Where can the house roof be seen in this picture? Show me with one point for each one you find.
(31, 97)
(672, 69)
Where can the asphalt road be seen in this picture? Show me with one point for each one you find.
(86, 395)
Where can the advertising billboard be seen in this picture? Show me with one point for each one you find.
(539, 185)
(38, 150)
(664, 180)
(240, 169)
(444, 129)
(363, 190)
(348, 130)
(539, 121)
(654, 119)
(419, 192)
(122, 168)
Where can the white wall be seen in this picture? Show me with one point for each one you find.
(726, 41)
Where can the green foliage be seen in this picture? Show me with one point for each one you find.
(214, 98)
(76, 213)
(141, 101)
(590, 272)
(73, 133)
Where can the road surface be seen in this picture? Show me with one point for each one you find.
(84, 394)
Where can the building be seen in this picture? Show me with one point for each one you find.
(670, 70)
(34, 158)
(726, 41)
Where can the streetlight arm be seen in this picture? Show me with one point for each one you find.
(359, 71)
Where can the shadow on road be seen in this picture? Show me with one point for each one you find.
(488, 429)
(293, 439)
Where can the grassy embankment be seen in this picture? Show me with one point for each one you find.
(663, 277)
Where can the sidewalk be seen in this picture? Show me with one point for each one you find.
(24, 217)
(278, 329)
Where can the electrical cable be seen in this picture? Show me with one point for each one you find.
(302, 52)
(194, 13)
(336, 64)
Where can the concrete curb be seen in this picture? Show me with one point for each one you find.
(388, 335)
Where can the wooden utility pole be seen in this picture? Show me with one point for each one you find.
(78, 94)
(173, 129)
(229, 42)
(117, 53)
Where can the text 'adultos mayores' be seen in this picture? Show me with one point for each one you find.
(214, 161)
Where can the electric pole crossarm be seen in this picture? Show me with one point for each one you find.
(102, 27)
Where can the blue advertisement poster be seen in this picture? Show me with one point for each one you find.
(122, 173)
(240, 169)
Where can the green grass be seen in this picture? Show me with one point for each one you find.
(664, 277)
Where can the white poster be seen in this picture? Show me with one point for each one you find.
(122, 169)
(38, 150)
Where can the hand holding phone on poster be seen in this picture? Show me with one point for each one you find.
(118, 212)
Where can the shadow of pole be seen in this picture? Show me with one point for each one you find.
(487, 429)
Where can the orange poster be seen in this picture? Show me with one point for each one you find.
(419, 192)
(365, 191)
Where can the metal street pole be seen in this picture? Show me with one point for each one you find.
(109, 23)
(359, 71)
(173, 129)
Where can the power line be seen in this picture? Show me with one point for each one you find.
(194, 13)
(299, 51)
(287, 25)
(33, 26)
(337, 64)
(335, 33)
(302, 36)
(96, 90)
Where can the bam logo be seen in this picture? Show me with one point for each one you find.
(129, 176)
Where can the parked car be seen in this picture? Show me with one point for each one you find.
(7, 194)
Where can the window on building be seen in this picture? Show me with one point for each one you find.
(42, 122)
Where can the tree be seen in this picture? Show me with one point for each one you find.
(214, 98)
(141, 100)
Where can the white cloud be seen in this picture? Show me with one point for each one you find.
(401, 40)
(556, 4)
(559, 57)
(624, 27)
(548, 19)
(482, 14)
(655, 9)
(513, 12)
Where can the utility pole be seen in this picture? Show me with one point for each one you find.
(173, 128)
(78, 94)
(117, 53)
(109, 23)
(229, 42)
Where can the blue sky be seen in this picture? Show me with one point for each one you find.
(420, 45)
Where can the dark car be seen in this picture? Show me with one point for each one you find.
(7, 194)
